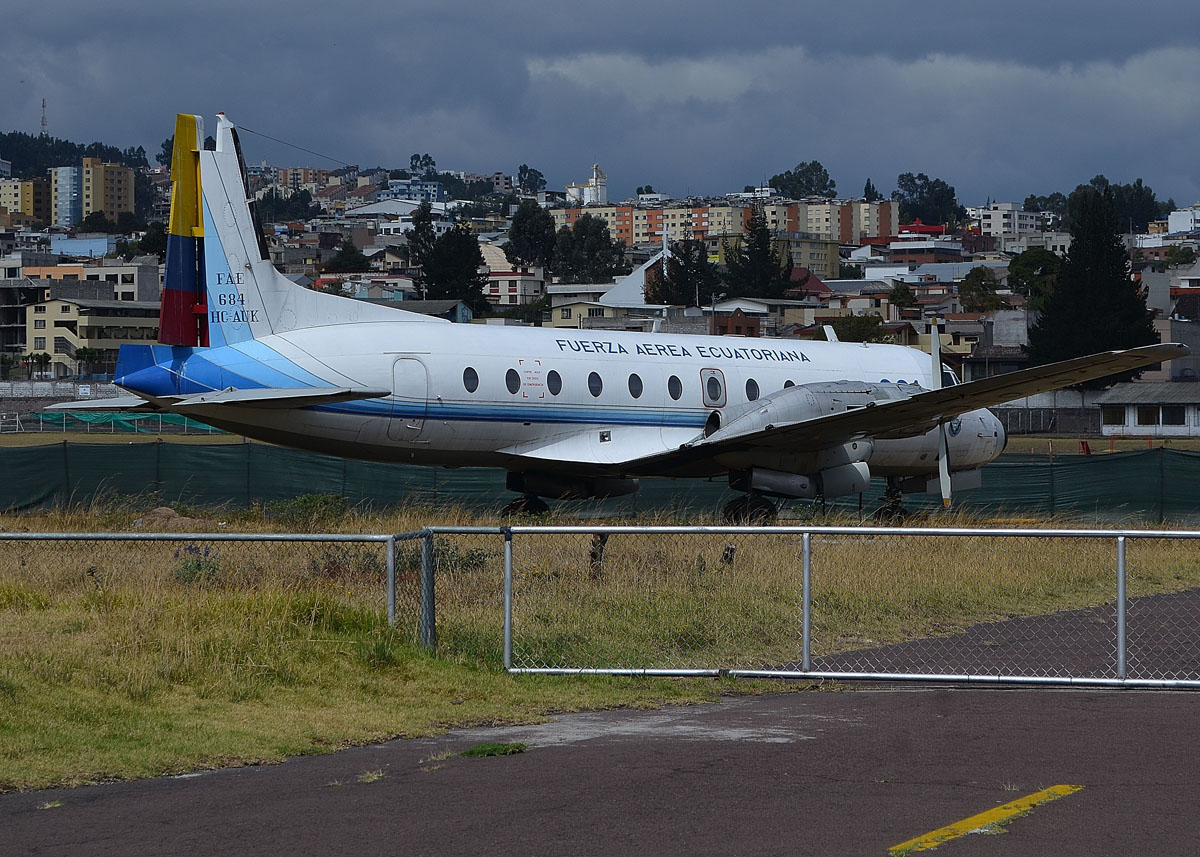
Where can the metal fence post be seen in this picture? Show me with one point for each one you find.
(508, 591)
(1120, 607)
(806, 599)
(428, 595)
(390, 546)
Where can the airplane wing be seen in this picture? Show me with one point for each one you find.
(278, 397)
(115, 403)
(914, 414)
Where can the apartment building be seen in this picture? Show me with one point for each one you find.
(847, 222)
(291, 179)
(139, 280)
(1007, 218)
(76, 192)
(66, 196)
(62, 328)
(27, 197)
(107, 188)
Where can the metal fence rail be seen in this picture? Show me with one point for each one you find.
(1030, 606)
(350, 563)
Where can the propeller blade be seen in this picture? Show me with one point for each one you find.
(935, 352)
(944, 466)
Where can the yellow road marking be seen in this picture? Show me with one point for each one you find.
(969, 825)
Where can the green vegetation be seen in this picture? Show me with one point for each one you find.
(124, 659)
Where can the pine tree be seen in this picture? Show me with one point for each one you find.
(753, 267)
(1095, 304)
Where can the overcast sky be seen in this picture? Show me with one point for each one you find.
(1000, 100)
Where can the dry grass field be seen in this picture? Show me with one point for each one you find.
(126, 659)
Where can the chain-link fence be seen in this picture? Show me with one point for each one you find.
(321, 573)
(1033, 606)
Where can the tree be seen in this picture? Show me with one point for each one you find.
(272, 207)
(422, 236)
(1180, 255)
(1032, 274)
(529, 179)
(586, 253)
(902, 295)
(808, 178)
(154, 240)
(347, 258)
(870, 194)
(1055, 203)
(421, 165)
(848, 271)
(97, 222)
(753, 267)
(167, 152)
(86, 358)
(931, 200)
(689, 277)
(1095, 304)
(450, 271)
(531, 237)
(978, 291)
(644, 189)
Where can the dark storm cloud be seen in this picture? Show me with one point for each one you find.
(1000, 101)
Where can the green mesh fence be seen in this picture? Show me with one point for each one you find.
(1156, 485)
(90, 421)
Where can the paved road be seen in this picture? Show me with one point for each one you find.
(851, 772)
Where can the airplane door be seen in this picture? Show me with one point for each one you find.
(410, 399)
(712, 383)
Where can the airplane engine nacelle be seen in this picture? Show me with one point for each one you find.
(832, 482)
(797, 404)
(564, 487)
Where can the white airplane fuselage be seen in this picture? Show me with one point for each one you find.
(522, 398)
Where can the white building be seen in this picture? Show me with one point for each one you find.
(1007, 218)
(593, 192)
(1184, 219)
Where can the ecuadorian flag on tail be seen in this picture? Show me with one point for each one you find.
(182, 316)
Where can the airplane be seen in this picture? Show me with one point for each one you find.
(569, 414)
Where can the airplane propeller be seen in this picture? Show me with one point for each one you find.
(935, 350)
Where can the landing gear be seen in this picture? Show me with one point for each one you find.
(752, 509)
(528, 505)
(892, 511)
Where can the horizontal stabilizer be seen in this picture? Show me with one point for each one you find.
(117, 403)
(276, 397)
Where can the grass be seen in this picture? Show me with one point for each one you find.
(123, 659)
(494, 749)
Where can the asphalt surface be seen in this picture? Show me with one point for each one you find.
(852, 771)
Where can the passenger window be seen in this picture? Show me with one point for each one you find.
(595, 384)
(512, 380)
(751, 390)
(470, 379)
(554, 383)
(635, 386)
(674, 387)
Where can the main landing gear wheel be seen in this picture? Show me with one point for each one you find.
(749, 509)
(892, 511)
(528, 505)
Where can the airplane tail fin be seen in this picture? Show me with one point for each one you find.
(181, 315)
(220, 287)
